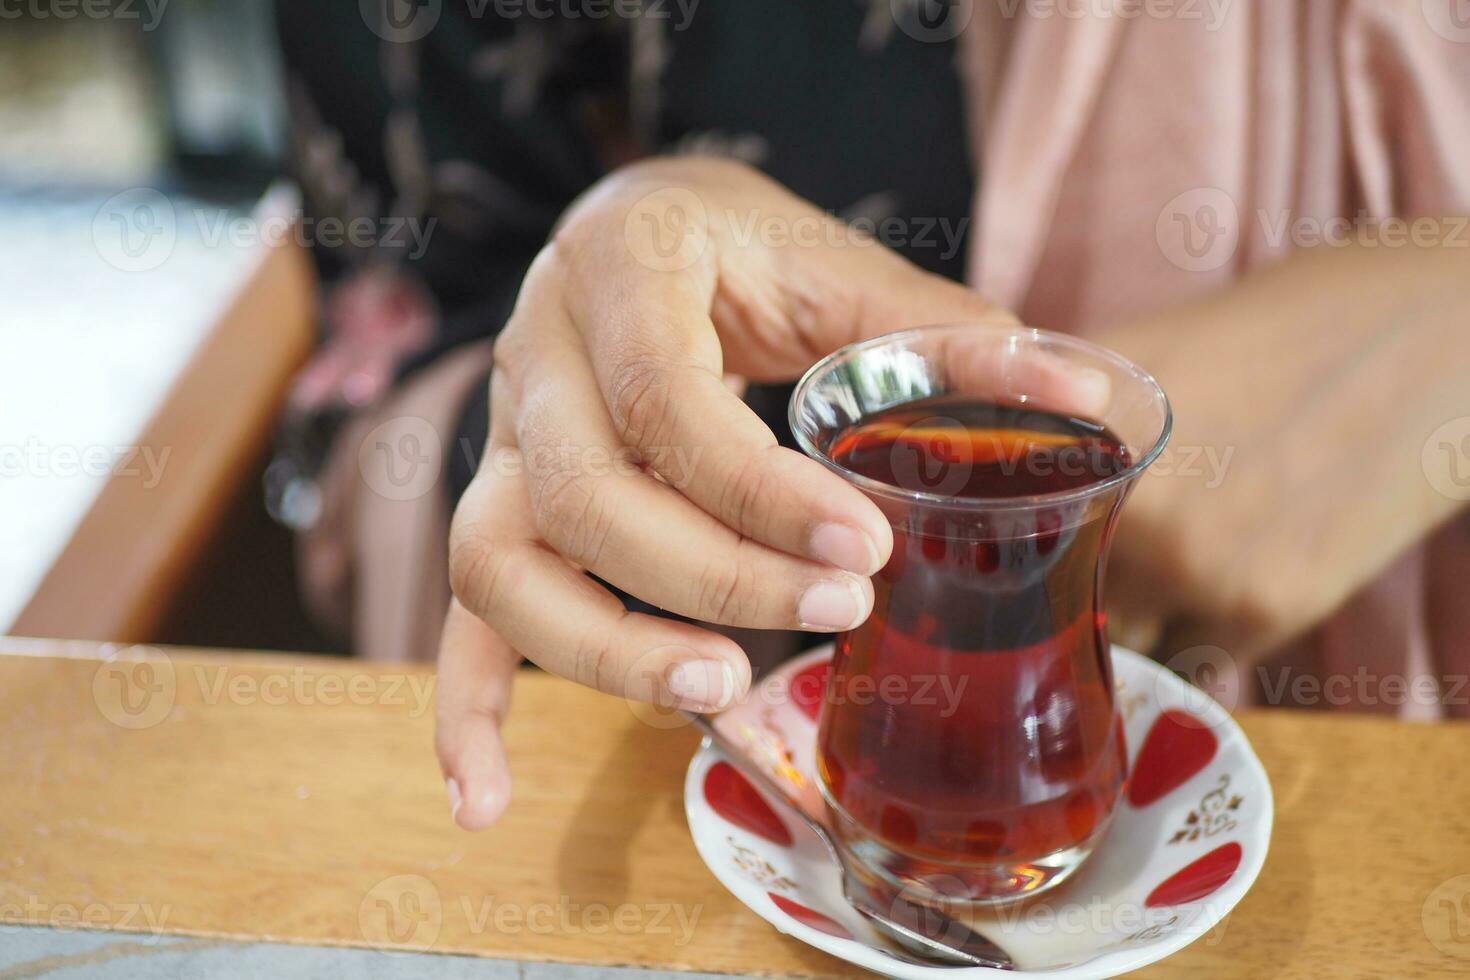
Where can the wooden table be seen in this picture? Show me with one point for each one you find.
(251, 797)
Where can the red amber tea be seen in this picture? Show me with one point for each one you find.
(994, 615)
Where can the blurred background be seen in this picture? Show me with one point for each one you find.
(155, 311)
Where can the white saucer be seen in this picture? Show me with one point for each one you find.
(1187, 842)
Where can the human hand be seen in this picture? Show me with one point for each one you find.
(652, 291)
(1304, 398)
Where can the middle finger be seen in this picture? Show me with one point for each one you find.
(595, 505)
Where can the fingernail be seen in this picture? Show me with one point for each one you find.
(455, 800)
(831, 606)
(706, 684)
(846, 547)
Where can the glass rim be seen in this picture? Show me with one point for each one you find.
(850, 352)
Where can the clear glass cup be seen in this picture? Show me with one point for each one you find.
(970, 747)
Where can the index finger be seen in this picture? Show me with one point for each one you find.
(658, 362)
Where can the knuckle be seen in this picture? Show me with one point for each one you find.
(547, 270)
(725, 593)
(595, 659)
(509, 350)
(747, 502)
(572, 513)
(480, 571)
(542, 283)
(641, 397)
(570, 239)
(579, 250)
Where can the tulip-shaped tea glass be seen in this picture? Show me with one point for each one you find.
(970, 746)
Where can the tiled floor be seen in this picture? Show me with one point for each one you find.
(61, 954)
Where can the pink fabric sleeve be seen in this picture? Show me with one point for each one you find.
(1406, 83)
(1089, 130)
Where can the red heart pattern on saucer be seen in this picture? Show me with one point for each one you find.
(1187, 842)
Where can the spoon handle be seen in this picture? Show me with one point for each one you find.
(725, 745)
(926, 929)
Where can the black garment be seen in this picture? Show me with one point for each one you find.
(494, 119)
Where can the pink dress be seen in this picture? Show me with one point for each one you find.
(1130, 162)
